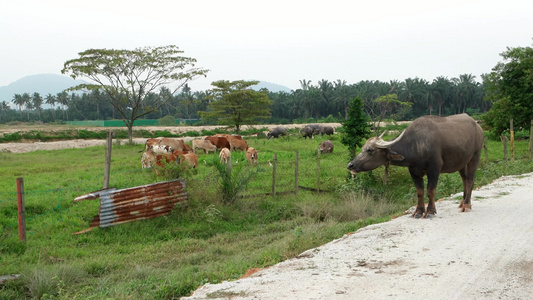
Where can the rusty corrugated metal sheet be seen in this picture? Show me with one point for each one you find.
(137, 203)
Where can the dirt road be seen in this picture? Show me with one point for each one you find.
(484, 254)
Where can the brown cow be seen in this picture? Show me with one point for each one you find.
(203, 144)
(148, 159)
(190, 158)
(220, 142)
(251, 155)
(236, 144)
(187, 148)
(224, 155)
(229, 136)
(150, 143)
(174, 144)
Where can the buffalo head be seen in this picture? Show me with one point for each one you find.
(376, 152)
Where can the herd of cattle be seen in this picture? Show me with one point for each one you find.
(161, 151)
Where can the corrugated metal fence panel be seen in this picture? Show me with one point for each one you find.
(137, 203)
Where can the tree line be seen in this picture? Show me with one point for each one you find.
(326, 99)
(131, 84)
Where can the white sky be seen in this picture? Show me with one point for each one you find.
(281, 42)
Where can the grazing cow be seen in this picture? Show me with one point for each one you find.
(190, 158)
(236, 144)
(203, 144)
(229, 136)
(430, 146)
(278, 131)
(220, 142)
(186, 147)
(225, 155)
(174, 144)
(251, 155)
(148, 159)
(150, 143)
(160, 149)
(326, 147)
(326, 130)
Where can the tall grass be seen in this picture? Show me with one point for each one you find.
(211, 239)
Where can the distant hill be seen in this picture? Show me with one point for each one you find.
(272, 87)
(43, 84)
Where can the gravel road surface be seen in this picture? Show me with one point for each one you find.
(483, 254)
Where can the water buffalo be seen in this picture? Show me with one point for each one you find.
(326, 130)
(326, 146)
(277, 132)
(429, 146)
(310, 130)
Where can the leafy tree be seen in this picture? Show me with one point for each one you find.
(510, 87)
(356, 128)
(235, 103)
(384, 105)
(129, 76)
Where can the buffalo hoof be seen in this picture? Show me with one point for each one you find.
(417, 215)
(466, 207)
(429, 216)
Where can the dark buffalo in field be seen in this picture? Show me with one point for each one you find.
(310, 130)
(277, 132)
(326, 130)
(430, 146)
(326, 146)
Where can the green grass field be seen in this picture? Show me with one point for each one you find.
(206, 241)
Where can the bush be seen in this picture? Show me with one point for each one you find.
(167, 121)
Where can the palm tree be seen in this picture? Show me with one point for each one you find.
(18, 101)
(441, 89)
(37, 102)
(342, 95)
(4, 106)
(51, 100)
(466, 86)
(62, 99)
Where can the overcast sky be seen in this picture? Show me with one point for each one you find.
(281, 42)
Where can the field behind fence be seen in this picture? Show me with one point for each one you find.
(286, 166)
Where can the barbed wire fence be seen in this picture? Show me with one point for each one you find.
(279, 173)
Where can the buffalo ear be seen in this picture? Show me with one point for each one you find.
(391, 155)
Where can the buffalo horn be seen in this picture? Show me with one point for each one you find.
(380, 143)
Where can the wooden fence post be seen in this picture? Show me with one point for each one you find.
(512, 140)
(531, 140)
(318, 172)
(296, 174)
(274, 167)
(107, 168)
(21, 209)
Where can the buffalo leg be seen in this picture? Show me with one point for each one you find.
(433, 179)
(419, 184)
(463, 174)
(469, 177)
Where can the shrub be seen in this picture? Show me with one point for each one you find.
(167, 121)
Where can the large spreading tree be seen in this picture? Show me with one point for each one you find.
(510, 88)
(129, 76)
(235, 103)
